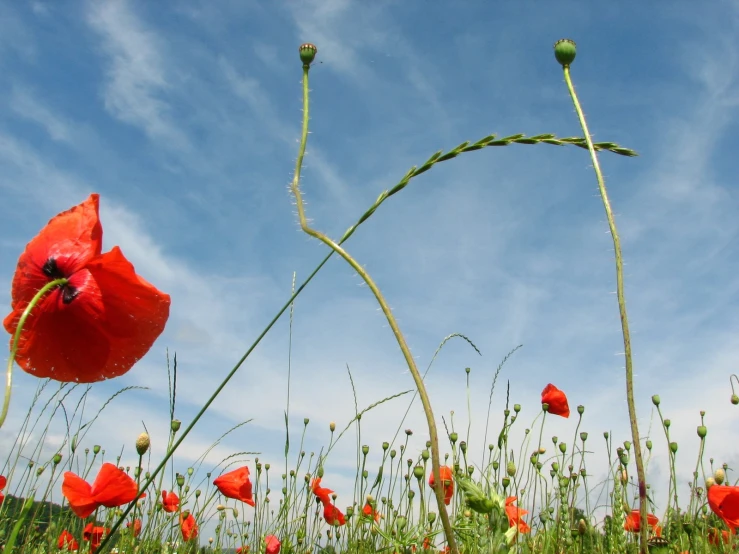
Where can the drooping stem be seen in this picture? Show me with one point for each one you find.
(643, 546)
(16, 339)
(415, 373)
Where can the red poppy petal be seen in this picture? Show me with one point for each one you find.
(79, 495)
(112, 487)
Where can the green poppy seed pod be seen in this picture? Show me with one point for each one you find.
(425, 455)
(544, 517)
(453, 437)
(147, 475)
(627, 445)
(197, 493)
(533, 459)
(649, 444)
(418, 472)
(180, 480)
(583, 436)
(306, 421)
(505, 481)
(703, 413)
(349, 511)
(606, 435)
(57, 459)
(655, 399)
(431, 517)
(581, 409)
(175, 425)
(463, 446)
(96, 449)
(545, 406)
(407, 477)
(136, 471)
(320, 472)
(506, 412)
(266, 466)
(491, 447)
(511, 469)
(563, 482)
(142, 443)
(720, 476)
(456, 468)
(467, 370)
(555, 466)
(259, 467)
(517, 408)
(385, 446)
(365, 474)
(552, 473)
(470, 470)
(667, 423)
(408, 432)
(624, 459)
(39, 470)
(702, 431)
(207, 475)
(87, 451)
(734, 399)
(539, 465)
(308, 53)
(565, 51)
(554, 440)
(583, 473)
(365, 449)
(411, 494)
(409, 462)
(284, 491)
(673, 447)
(496, 465)
(332, 426)
(393, 453)
(562, 447)
(187, 489)
(428, 444)
(190, 471)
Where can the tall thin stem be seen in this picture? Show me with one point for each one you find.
(643, 533)
(415, 373)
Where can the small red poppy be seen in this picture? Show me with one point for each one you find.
(556, 400)
(170, 501)
(188, 526)
(67, 542)
(101, 322)
(136, 526)
(323, 494)
(111, 488)
(514, 514)
(273, 544)
(3, 482)
(236, 484)
(242, 549)
(333, 515)
(716, 537)
(445, 472)
(369, 511)
(633, 522)
(94, 535)
(724, 501)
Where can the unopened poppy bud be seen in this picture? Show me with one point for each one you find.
(39, 471)
(702, 431)
(719, 475)
(392, 453)
(418, 472)
(555, 466)
(220, 507)
(190, 471)
(137, 471)
(180, 480)
(624, 459)
(649, 444)
(365, 449)
(463, 446)
(142, 443)
(175, 425)
(470, 470)
(96, 449)
(583, 473)
(554, 440)
(266, 466)
(425, 455)
(667, 423)
(431, 517)
(349, 512)
(57, 459)
(563, 482)
(565, 51)
(710, 481)
(197, 493)
(552, 473)
(385, 446)
(332, 426)
(236, 512)
(511, 469)
(320, 472)
(308, 53)
(734, 399)
(627, 445)
(496, 465)
(365, 474)
(583, 436)
(505, 481)
(411, 494)
(673, 447)
(517, 408)
(187, 489)
(581, 409)
(562, 447)
(606, 435)
(453, 437)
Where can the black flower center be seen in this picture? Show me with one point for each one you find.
(51, 270)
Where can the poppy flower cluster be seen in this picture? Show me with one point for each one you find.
(112, 487)
(331, 514)
(447, 481)
(188, 526)
(94, 534)
(556, 401)
(236, 484)
(67, 542)
(724, 501)
(100, 318)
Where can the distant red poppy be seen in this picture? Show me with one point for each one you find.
(514, 514)
(136, 526)
(170, 501)
(724, 501)
(445, 472)
(3, 482)
(67, 541)
(188, 526)
(556, 400)
(98, 324)
(242, 549)
(94, 535)
(369, 511)
(716, 537)
(236, 484)
(333, 515)
(273, 544)
(633, 522)
(323, 494)
(111, 488)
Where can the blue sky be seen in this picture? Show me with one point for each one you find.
(185, 118)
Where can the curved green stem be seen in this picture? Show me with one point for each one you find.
(643, 534)
(416, 374)
(16, 338)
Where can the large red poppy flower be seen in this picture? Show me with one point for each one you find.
(236, 484)
(67, 542)
(514, 514)
(273, 544)
(111, 488)
(556, 399)
(333, 515)
(633, 522)
(97, 325)
(3, 482)
(188, 527)
(724, 501)
(322, 493)
(170, 501)
(445, 472)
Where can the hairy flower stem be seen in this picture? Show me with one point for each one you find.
(16, 338)
(643, 533)
(433, 435)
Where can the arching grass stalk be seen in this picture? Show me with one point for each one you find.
(565, 54)
(308, 52)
